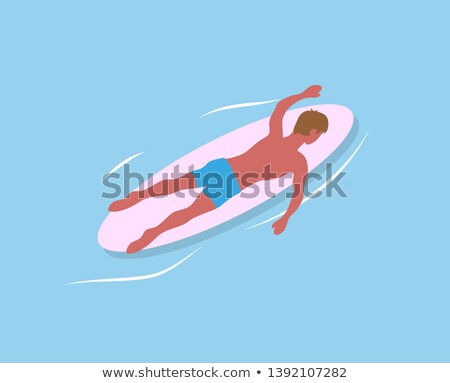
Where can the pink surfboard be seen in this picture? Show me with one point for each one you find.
(119, 229)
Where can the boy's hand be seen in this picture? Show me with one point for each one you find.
(312, 91)
(280, 225)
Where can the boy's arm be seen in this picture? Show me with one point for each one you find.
(296, 200)
(276, 120)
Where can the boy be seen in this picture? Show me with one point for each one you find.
(279, 154)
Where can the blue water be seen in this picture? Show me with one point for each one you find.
(84, 85)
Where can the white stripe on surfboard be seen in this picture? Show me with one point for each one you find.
(317, 190)
(138, 278)
(235, 106)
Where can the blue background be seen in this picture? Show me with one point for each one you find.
(85, 84)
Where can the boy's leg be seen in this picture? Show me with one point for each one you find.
(201, 205)
(162, 188)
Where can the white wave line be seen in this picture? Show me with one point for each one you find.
(138, 278)
(243, 105)
(307, 198)
(121, 164)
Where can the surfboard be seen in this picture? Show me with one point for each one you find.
(119, 229)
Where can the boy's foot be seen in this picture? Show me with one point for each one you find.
(147, 238)
(125, 203)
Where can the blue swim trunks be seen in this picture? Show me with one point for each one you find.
(218, 180)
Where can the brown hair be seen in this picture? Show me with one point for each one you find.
(311, 119)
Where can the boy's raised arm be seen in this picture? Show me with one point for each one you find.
(276, 120)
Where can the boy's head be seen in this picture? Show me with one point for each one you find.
(311, 124)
